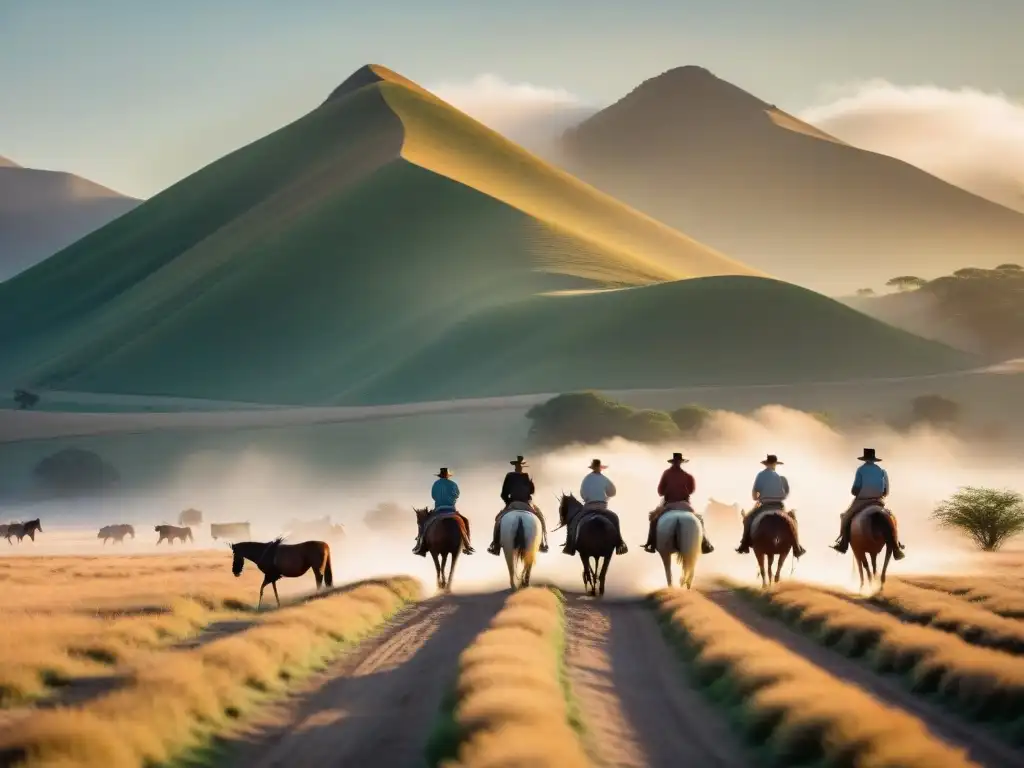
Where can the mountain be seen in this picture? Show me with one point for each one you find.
(321, 263)
(740, 174)
(42, 212)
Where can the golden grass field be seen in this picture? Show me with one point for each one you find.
(132, 660)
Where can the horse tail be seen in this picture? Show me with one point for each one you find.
(687, 537)
(519, 540)
(328, 573)
(882, 525)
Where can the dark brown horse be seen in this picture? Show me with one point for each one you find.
(116, 532)
(873, 529)
(773, 536)
(596, 539)
(443, 539)
(169, 533)
(276, 560)
(21, 530)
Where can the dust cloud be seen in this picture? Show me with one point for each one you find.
(269, 490)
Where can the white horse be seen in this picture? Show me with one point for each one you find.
(520, 541)
(680, 533)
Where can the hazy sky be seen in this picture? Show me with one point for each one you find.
(136, 94)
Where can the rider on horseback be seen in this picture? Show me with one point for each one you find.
(676, 486)
(444, 492)
(870, 488)
(595, 491)
(770, 492)
(517, 487)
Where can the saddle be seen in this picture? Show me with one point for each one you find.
(770, 508)
(672, 506)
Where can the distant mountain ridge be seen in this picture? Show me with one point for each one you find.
(387, 247)
(42, 212)
(711, 159)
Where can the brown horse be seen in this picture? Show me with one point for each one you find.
(443, 539)
(116, 532)
(773, 536)
(872, 529)
(596, 539)
(21, 530)
(276, 560)
(169, 533)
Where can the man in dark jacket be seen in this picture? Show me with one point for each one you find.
(676, 486)
(517, 487)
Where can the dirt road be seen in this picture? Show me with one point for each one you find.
(984, 749)
(377, 706)
(633, 695)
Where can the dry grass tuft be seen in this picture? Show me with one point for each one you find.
(1001, 596)
(979, 683)
(801, 713)
(975, 624)
(176, 698)
(510, 703)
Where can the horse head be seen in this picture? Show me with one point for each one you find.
(567, 505)
(421, 514)
(237, 560)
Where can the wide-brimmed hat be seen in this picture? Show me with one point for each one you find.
(519, 461)
(444, 472)
(596, 464)
(677, 457)
(771, 458)
(869, 455)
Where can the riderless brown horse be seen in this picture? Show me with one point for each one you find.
(169, 533)
(596, 539)
(276, 560)
(773, 536)
(442, 539)
(21, 530)
(116, 532)
(872, 529)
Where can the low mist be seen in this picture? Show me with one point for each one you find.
(270, 490)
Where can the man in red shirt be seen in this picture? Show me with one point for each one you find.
(676, 487)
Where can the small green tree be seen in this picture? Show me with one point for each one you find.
(865, 291)
(906, 283)
(987, 515)
(936, 410)
(690, 419)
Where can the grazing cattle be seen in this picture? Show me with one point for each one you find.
(116, 532)
(169, 533)
(190, 517)
(276, 560)
(21, 530)
(235, 531)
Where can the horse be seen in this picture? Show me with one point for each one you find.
(229, 531)
(519, 535)
(21, 530)
(679, 532)
(116, 532)
(190, 517)
(596, 539)
(772, 535)
(442, 539)
(276, 560)
(169, 533)
(872, 529)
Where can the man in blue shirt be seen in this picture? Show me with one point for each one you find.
(445, 493)
(870, 487)
(770, 491)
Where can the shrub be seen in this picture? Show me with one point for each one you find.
(587, 417)
(934, 409)
(690, 419)
(987, 515)
(75, 471)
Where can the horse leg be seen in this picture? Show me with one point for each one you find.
(760, 566)
(885, 563)
(437, 569)
(276, 596)
(874, 565)
(263, 586)
(604, 572)
(526, 574)
(666, 560)
(771, 565)
(586, 572)
(451, 570)
(859, 558)
(778, 570)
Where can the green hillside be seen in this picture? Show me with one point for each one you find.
(716, 330)
(387, 247)
(297, 267)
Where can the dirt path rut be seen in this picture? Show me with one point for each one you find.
(633, 695)
(378, 705)
(982, 747)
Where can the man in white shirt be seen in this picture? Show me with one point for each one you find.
(770, 491)
(595, 490)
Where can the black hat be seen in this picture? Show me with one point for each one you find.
(596, 465)
(444, 472)
(519, 462)
(869, 455)
(771, 459)
(677, 457)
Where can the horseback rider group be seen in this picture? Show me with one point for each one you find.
(770, 492)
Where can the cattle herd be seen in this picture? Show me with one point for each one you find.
(237, 531)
